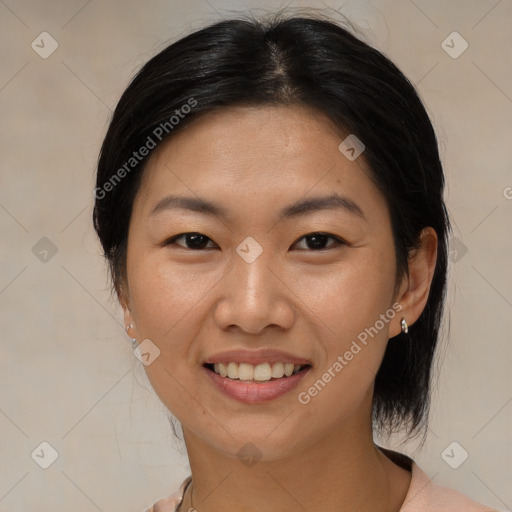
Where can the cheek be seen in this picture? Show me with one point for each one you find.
(164, 299)
(350, 295)
(170, 307)
(164, 294)
(357, 316)
(352, 309)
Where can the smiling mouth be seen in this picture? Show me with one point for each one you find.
(263, 372)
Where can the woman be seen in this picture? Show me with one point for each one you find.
(270, 200)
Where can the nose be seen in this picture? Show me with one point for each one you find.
(254, 296)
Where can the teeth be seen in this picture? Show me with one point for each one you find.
(223, 370)
(260, 372)
(277, 370)
(245, 371)
(233, 371)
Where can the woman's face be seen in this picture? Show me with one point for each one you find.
(256, 281)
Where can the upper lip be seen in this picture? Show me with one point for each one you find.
(255, 357)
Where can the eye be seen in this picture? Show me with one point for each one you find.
(198, 241)
(317, 241)
(194, 241)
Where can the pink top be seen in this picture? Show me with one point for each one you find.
(423, 496)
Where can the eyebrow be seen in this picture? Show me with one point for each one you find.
(300, 208)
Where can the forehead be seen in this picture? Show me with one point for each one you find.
(257, 155)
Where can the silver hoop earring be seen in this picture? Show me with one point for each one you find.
(405, 327)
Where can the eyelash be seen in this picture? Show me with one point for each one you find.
(339, 241)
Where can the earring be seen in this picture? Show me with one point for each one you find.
(405, 327)
(127, 328)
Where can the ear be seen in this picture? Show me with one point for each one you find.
(129, 321)
(414, 290)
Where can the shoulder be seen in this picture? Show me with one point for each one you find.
(423, 496)
(426, 496)
(170, 504)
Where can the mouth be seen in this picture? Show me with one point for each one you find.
(255, 384)
(259, 373)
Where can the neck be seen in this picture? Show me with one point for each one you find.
(343, 472)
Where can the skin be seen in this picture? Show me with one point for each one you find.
(192, 303)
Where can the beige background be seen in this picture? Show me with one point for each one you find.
(68, 375)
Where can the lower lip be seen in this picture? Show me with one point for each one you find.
(255, 393)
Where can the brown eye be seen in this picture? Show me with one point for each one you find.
(317, 241)
(194, 241)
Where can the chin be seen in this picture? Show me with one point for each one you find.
(251, 441)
